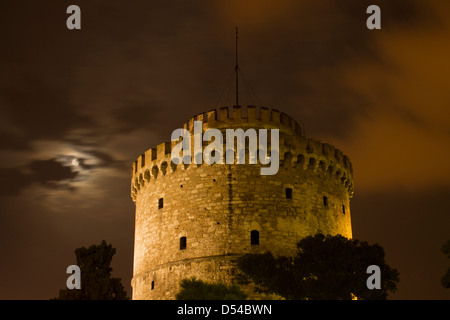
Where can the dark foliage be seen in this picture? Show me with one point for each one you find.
(325, 268)
(193, 289)
(96, 280)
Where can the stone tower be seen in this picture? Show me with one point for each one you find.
(194, 220)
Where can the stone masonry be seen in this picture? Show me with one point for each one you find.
(195, 220)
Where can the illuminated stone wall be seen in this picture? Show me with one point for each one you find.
(216, 207)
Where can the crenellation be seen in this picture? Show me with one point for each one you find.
(245, 117)
(191, 124)
(285, 119)
(203, 117)
(299, 129)
(348, 163)
(264, 114)
(275, 116)
(327, 150)
(224, 114)
(314, 146)
(237, 114)
(252, 115)
(212, 118)
(163, 149)
(315, 156)
(141, 160)
(150, 155)
(338, 154)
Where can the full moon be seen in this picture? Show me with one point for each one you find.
(75, 162)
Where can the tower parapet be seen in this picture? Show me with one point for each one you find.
(302, 152)
(250, 116)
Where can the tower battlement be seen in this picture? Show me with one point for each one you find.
(294, 148)
(245, 117)
(192, 219)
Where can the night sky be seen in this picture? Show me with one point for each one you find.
(77, 107)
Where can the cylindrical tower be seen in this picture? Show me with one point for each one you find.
(194, 220)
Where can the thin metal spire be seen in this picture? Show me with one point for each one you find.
(236, 68)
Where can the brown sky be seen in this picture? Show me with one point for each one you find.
(135, 72)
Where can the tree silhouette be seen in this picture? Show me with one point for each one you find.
(325, 268)
(193, 289)
(445, 280)
(96, 280)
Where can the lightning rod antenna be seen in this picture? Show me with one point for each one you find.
(236, 68)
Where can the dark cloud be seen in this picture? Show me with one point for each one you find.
(38, 111)
(135, 117)
(45, 172)
(50, 170)
(298, 59)
(101, 160)
(41, 93)
(293, 54)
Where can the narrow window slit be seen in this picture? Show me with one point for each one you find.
(254, 237)
(183, 243)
